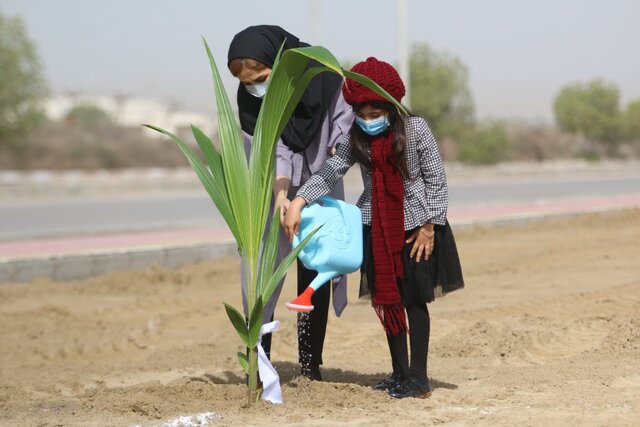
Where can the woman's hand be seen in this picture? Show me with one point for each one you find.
(291, 224)
(280, 191)
(283, 203)
(424, 238)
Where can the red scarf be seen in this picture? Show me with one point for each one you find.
(387, 234)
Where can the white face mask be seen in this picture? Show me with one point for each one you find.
(258, 90)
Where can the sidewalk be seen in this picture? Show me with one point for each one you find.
(75, 258)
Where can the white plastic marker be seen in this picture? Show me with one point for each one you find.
(270, 380)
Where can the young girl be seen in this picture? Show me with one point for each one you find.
(320, 120)
(410, 254)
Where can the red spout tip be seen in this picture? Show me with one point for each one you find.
(303, 302)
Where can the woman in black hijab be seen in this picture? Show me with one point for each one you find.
(261, 43)
(318, 123)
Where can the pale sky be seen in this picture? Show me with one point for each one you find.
(519, 53)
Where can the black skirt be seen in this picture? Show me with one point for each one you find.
(425, 280)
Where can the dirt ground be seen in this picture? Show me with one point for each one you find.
(547, 332)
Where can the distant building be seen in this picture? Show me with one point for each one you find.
(134, 111)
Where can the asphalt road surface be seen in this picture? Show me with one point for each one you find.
(27, 219)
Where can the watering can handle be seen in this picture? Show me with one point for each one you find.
(330, 201)
(296, 237)
(326, 201)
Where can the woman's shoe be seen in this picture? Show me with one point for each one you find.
(411, 387)
(388, 384)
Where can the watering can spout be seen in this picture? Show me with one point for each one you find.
(322, 278)
(303, 301)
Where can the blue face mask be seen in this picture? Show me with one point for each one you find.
(374, 126)
(258, 90)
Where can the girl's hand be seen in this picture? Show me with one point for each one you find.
(292, 219)
(424, 242)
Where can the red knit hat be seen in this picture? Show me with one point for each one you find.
(380, 72)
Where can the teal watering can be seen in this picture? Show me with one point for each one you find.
(334, 250)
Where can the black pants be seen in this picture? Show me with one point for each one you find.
(419, 328)
(312, 327)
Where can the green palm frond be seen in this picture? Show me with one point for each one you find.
(234, 161)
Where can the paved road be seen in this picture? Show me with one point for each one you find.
(146, 212)
(541, 189)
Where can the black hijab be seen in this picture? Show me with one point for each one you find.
(262, 42)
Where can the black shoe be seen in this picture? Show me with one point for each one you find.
(312, 372)
(411, 387)
(390, 383)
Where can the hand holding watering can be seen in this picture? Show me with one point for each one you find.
(334, 250)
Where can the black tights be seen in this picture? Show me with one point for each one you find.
(419, 327)
(312, 327)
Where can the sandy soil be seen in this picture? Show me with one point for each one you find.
(547, 332)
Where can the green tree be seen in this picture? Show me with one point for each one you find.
(88, 117)
(487, 143)
(22, 85)
(591, 109)
(631, 120)
(439, 91)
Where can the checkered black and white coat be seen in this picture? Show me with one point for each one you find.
(426, 195)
